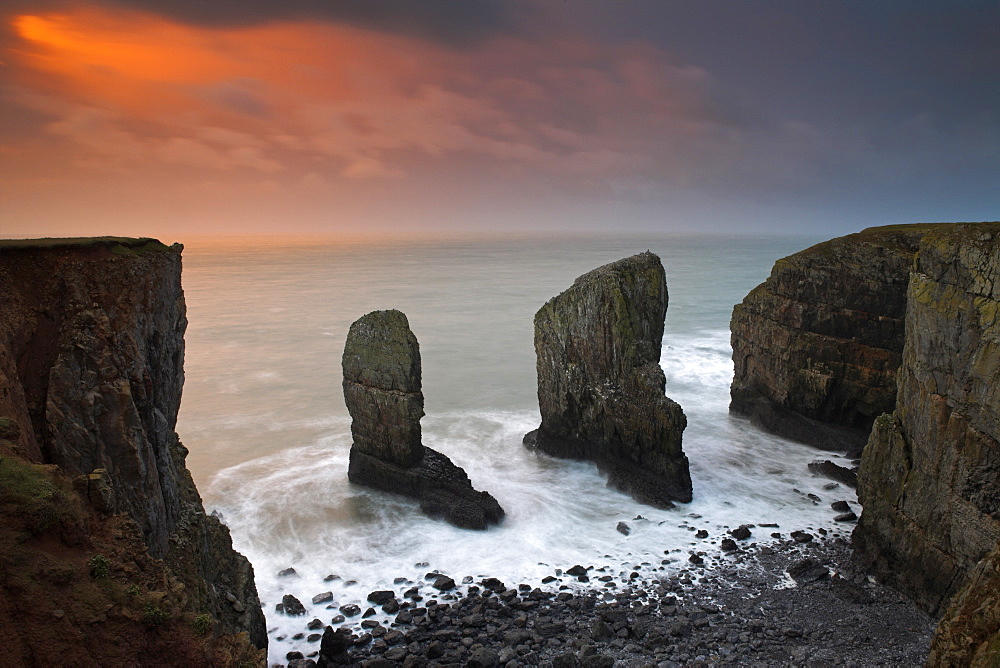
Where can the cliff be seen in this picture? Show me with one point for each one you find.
(817, 345)
(91, 371)
(600, 385)
(930, 475)
(382, 390)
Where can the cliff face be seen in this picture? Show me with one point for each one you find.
(91, 355)
(930, 475)
(816, 346)
(382, 390)
(600, 385)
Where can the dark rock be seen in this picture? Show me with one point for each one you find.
(801, 536)
(287, 572)
(382, 383)
(315, 625)
(292, 606)
(807, 570)
(623, 529)
(391, 607)
(702, 533)
(576, 571)
(443, 583)
(845, 517)
(381, 597)
(291, 656)
(696, 559)
(841, 506)
(350, 610)
(333, 647)
(370, 612)
(728, 545)
(436, 650)
(331, 578)
(600, 385)
(841, 474)
(740, 533)
(483, 658)
(325, 597)
(494, 584)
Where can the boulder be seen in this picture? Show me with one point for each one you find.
(600, 385)
(382, 382)
(841, 474)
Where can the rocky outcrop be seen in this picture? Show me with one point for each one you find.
(817, 345)
(600, 385)
(930, 474)
(91, 368)
(382, 390)
(969, 632)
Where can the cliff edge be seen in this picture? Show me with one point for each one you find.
(600, 384)
(91, 371)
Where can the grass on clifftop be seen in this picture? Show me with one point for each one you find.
(118, 244)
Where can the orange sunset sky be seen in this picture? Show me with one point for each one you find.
(175, 117)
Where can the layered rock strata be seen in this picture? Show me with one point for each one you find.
(91, 368)
(600, 385)
(930, 474)
(817, 345)
(382, 389)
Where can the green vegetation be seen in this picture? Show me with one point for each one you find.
(153, 615)
(100, 567)
(75, 242)
(132, 591)
(24, 483)
(202, 624)
(9, 430)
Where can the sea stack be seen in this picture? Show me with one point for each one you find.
(382, 390)
(600, 385)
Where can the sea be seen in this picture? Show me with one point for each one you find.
(264, 418)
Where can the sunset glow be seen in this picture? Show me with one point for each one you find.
(311, 124)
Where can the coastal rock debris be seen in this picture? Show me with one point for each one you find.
(600, 385)
(381, 364)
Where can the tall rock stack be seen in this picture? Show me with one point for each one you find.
(600, 385)
(816, 346)
(930, 474)
(381, 365)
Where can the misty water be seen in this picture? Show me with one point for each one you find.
(264, 417)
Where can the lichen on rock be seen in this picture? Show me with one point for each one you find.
(382, 390)
(600, 384)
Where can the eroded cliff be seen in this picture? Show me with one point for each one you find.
(91, 371)
(600, 384)
(930, 474)
(817, 345)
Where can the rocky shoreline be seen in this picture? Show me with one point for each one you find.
(796, 600)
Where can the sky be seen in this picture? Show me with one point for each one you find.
(173, 118)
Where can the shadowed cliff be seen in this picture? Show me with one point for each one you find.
(91, 371)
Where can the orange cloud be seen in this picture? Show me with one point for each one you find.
(132, 90)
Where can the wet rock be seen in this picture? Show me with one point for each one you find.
(315, 625)
(702, 533)
(350, 610)
(333, 647)
(801, 536)
(728, 545)
(576, 571)
(600, 385)
(841, 474)
(381, 597)
(740, 533)
(382, 389)
(443, 583)
(845, 517)
(483, 658)
(841, 506)
(292, 606)
(325, 597)
(287, 572)
(623, 529)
